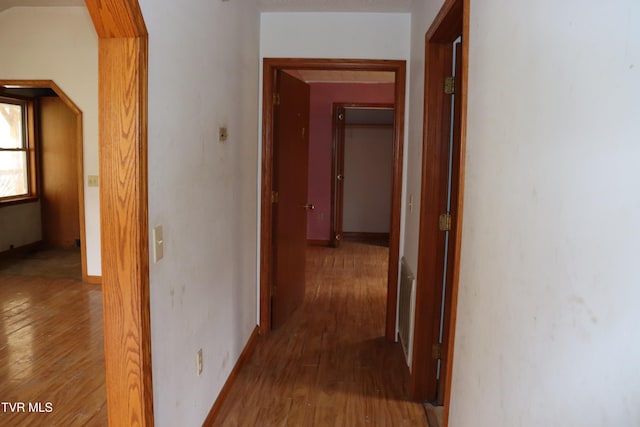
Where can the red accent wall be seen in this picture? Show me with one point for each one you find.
(323, 96)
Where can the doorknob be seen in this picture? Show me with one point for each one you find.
(339, 177)
(309, 207)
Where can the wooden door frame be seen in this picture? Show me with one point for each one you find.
(50, 84)
(451, 21)
(270, 68)
(337, 165)
(122, 102)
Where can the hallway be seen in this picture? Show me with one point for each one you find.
(329, 365)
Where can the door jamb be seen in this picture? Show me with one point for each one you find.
(270, 68)
(337, 165)
(451, 21)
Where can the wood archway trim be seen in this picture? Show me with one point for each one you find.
(270, 68)
(122, 109)
(50, 84)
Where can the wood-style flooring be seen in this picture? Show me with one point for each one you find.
(51, 343)
(330, 364)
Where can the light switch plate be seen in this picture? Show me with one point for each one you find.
(158, 244)
(93, 180)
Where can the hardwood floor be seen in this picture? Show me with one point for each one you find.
(51, 344)
(329, 365)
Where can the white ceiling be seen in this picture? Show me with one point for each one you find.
(388, 6)
(6, 4)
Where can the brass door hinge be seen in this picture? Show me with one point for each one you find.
(436, 351)
(450, 85)
(276, 99)
(444, 222)
(274, 197)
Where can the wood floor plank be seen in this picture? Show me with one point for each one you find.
(330, 364)
(51, 342)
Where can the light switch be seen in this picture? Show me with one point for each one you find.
(93, 180)
(158, 244)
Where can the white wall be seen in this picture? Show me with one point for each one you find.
(368, 171)
(549, 287)
(203, 73)
(422, 15)
(59, 44)
(335, 35)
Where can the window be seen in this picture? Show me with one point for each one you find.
(16, 157)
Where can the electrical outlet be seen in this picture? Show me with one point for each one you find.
(93, 180)
(199, 362)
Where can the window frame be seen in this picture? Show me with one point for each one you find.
(29, 144)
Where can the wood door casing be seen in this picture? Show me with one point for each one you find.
(291, 157)
(337, 175)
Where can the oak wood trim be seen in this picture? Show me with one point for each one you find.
(79, 156)
(123, 99)
(226, 388)
(124, 224)
(93, 280)
(270, 68)
(117, 18)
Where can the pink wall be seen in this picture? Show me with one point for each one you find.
(323, 96)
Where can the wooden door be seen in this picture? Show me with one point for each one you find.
(337, 173)
(59, 179)
(291, 156)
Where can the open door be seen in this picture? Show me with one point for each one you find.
(289, 197)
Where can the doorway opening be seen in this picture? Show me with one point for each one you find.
(274, 68)
(446, 59)
(362, 171)
(58, 149)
